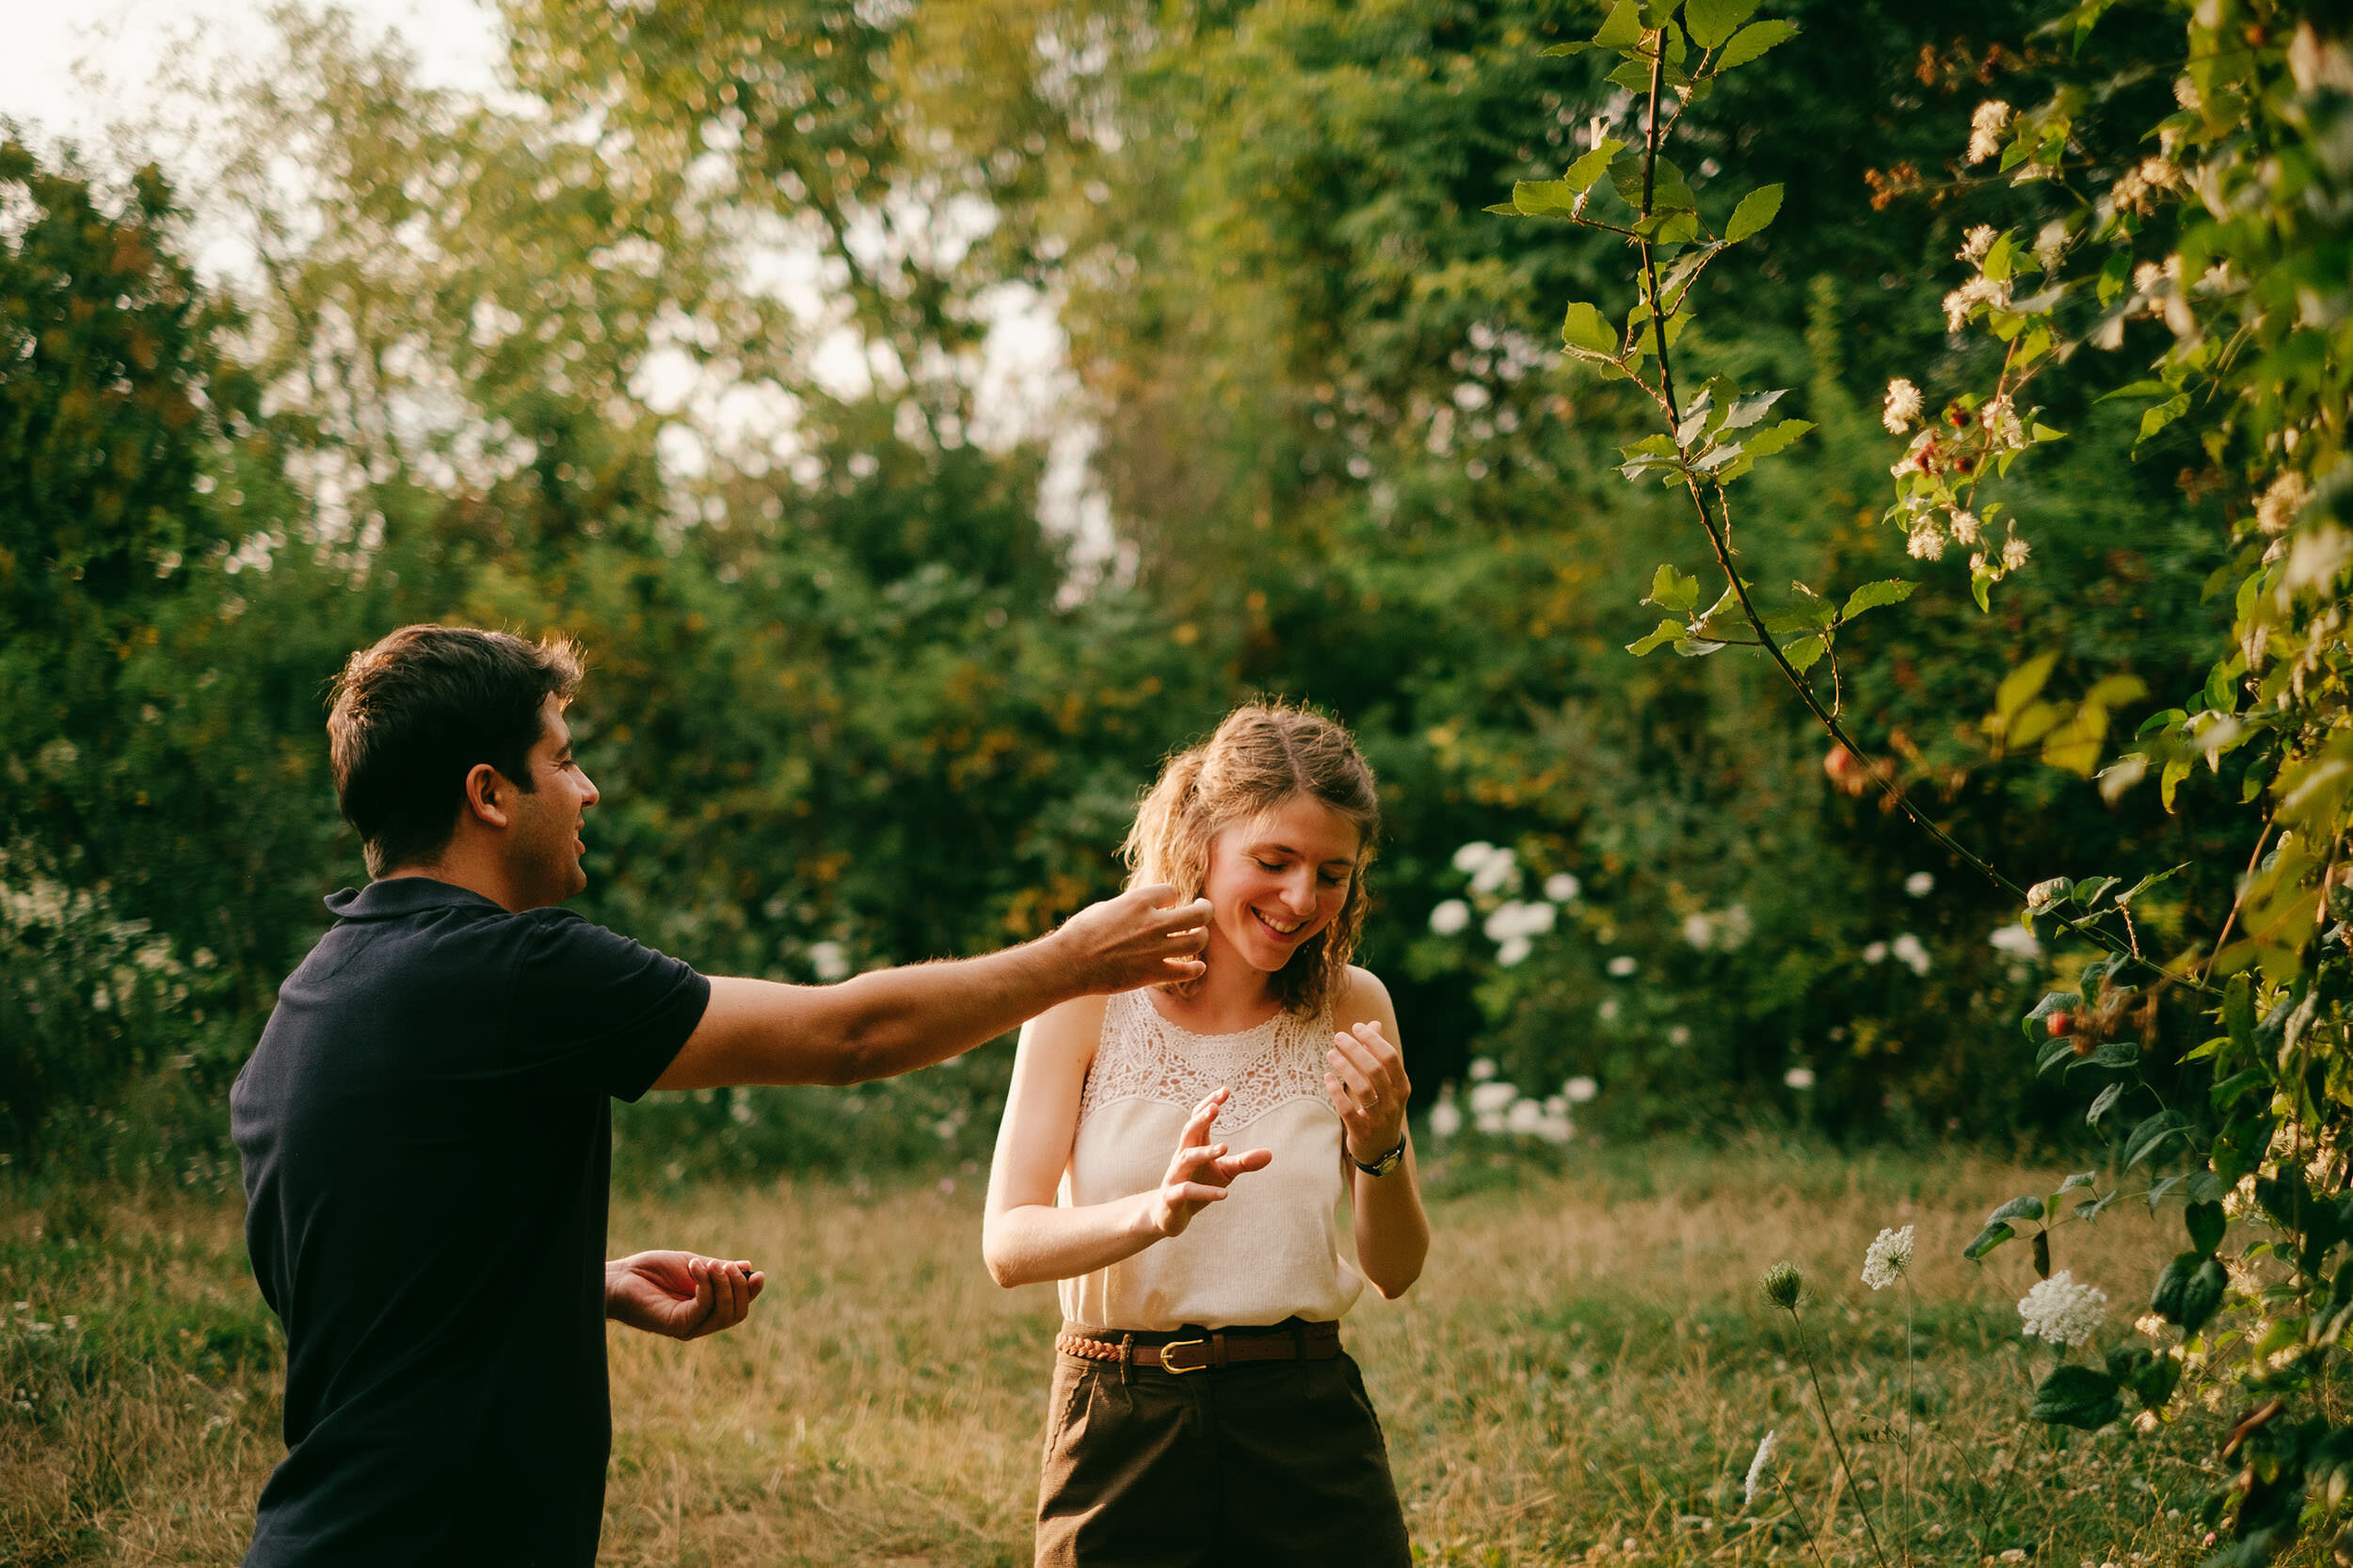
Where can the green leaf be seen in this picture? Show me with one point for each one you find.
(1623, 26)
(2152, 1135)
(1712, 21)
(1775, 436)
(1697, 648)
(1872, 595)
(2079, 1397)
(1746, 412)
(1585, 328)
(1990, 1238)
(1668, 631)
(1752, 40)
(2101, 1102)
(1568, 49)
(2117, 1053)
(2027, 1208)
(2088, 892)
(1803, 653)
(1504, 208)
(1673, 590)
(2020, 685)
(2079, 1178)
(1580, 175)
(2162, 415)
(1755, 211)
(1537, 198)
(2206, 1224)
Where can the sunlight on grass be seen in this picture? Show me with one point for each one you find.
(1584, 1373)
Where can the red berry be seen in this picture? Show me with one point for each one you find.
(2059, 1023)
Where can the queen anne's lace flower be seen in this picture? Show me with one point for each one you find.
(1757, 1467)
(1984, 129)
(2062, 1311)
(1903, 406)
(1887, 1258)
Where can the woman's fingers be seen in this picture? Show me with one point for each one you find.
(1357, 1078)
(1197, 1125)
(1233, 1165)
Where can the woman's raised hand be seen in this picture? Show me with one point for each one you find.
(1200, 1171)
(1368, 1088)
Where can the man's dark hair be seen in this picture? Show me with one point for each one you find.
(414, 714)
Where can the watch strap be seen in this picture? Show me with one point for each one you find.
(1386, 1163)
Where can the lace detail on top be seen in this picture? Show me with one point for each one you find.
(1144, 1056)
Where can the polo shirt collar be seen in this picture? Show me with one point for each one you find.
(402, 895)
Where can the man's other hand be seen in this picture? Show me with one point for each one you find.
(1141, 937)
(682, 1294)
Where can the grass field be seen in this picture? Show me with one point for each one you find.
(1583, 1374)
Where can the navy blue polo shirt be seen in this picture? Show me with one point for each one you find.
(426, 1131)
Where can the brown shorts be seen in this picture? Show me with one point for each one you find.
(1266, 1462)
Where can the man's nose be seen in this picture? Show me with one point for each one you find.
(591, 798)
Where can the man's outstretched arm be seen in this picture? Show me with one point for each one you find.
(894, 1020)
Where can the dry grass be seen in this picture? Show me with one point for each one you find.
(1584, 1365)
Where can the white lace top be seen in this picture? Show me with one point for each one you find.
(1273, 1247)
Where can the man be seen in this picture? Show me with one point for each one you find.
(425, 1124)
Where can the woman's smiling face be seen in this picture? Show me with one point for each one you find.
(1274, 881)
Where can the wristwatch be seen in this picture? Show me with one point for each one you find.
(1383, 1165)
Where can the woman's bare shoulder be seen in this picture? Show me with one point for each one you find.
(1363, 999)
(1068, 1028)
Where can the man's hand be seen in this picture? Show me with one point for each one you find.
(680, 1294)
(1141, 937)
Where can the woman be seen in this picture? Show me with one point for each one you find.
(1202, 1408)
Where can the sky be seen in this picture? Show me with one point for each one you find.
(66, 65)
(67, 62)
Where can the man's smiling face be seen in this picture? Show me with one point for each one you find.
(548, 817)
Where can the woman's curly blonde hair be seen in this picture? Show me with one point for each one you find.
(1262, 755)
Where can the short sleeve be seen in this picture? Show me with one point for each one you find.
(592, 1000)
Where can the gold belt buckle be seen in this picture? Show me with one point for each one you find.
(1180, 1344)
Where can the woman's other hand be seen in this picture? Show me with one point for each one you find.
(1368, 1088)
(1200, 1171)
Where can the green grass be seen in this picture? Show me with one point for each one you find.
(1582, 1374)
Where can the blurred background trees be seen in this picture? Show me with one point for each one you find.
(690, 346)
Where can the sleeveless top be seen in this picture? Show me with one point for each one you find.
(1272, 1248)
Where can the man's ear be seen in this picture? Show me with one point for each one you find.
(486, 793)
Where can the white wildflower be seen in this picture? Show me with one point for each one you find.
(1875, 953)
(1679, 1035)
(2061, 1311)
(1512, 950)
(1492, 1096)
(1756, 1469)
(1562, 887)
(1450, 916)
(1977, 290)
(1902, 406)
(2016, 940)
(1473, 856)
(1887, 1258)
(1967, 530)
(1798, 1077)
(1499, 872)
(1984, 129)
(2276, 509)
(1975, 244)
(1513, 919)
(1445, 1117)
(1927, 542)
(1906, 950)
(2003, 429)
(1920, 884)
(1698, 930)
(1525, 1116)
(1624, 964)
(1483, 1069)
(1608, 1010)
(1556, 1127)
(830, 960)
(2049, 246)
(2186, 92)
(1579, 1090)
(2014, 552)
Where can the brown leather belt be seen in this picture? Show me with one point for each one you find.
(1190, 1349)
